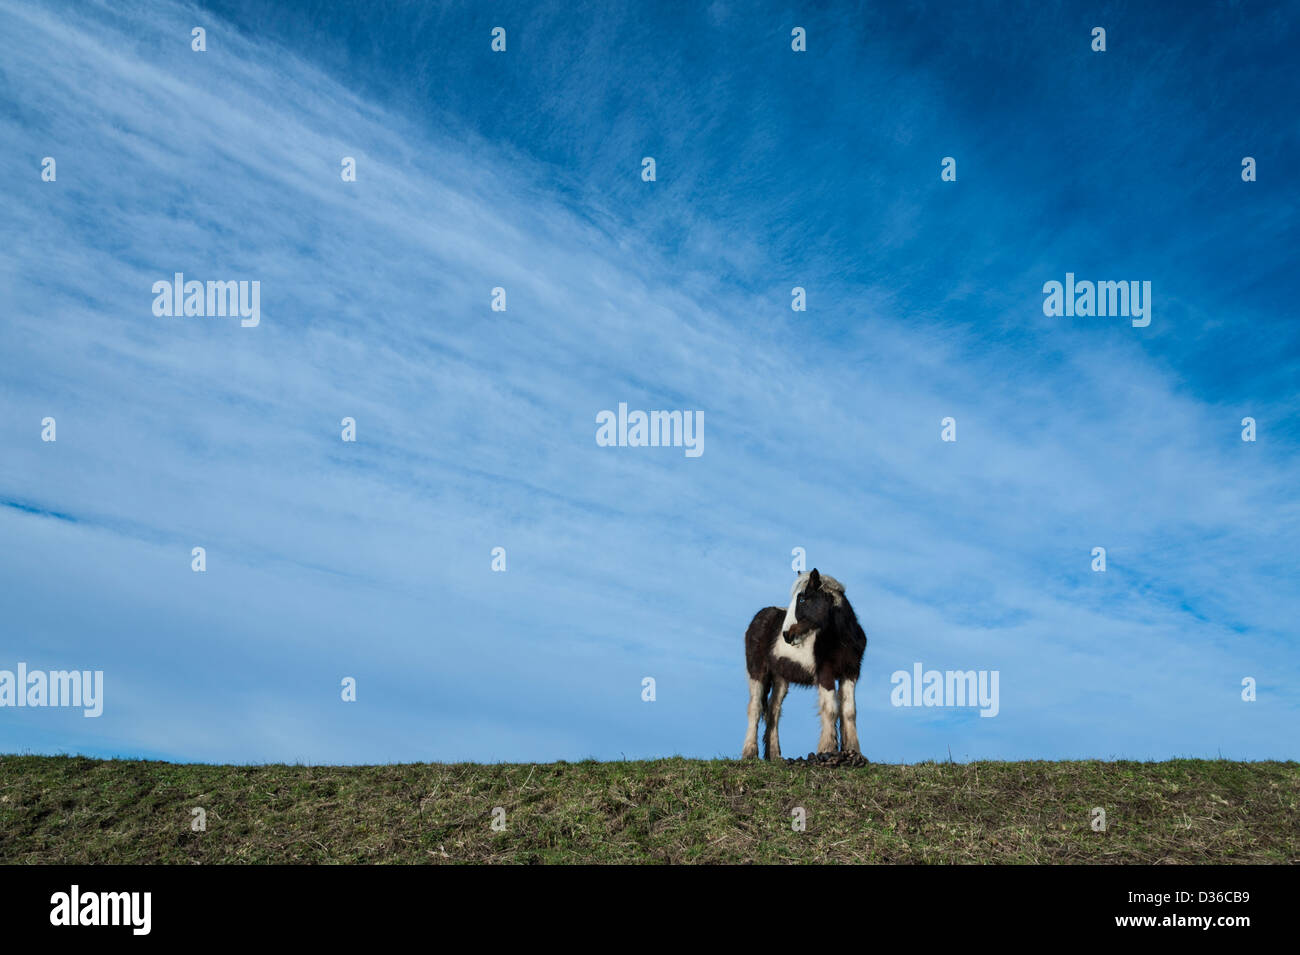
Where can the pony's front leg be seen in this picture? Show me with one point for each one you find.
(779, 688)
(848, 718)
(750, 750)
(827, 708)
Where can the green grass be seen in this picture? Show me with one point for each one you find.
(74, 810)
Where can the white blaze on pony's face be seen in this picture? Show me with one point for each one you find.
(812, 609)
(811, 605)
(790, 618)
(800, 649)
(796, 592)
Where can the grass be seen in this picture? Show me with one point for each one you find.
(75, 810)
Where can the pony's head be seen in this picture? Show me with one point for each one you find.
(812, 606)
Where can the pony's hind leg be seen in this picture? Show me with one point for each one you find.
(828, 709)
(757, 703)
(779, 689)
(848, 718)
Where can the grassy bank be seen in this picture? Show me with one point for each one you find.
(73, 810)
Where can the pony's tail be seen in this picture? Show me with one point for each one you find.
(767, 727)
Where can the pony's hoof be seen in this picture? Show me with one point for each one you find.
(749, 752)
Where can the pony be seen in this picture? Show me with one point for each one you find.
(815, 641)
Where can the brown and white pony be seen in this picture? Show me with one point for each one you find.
(815, 641)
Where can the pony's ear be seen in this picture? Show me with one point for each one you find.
(814, 580)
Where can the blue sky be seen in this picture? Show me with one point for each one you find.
(476, 428)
